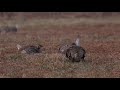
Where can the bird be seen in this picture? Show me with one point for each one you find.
(76, 53)
(6, 29)
(29, 49)
(64, 48)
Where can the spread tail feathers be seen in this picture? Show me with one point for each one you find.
(19, 46)
(77, 42)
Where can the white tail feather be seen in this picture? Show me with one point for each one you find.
(17, 26)
(19, 46)
(77, 42)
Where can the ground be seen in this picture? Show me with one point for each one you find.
(100, 37)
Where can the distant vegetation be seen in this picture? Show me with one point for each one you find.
(59, 14)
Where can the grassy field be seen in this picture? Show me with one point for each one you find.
(99, 36)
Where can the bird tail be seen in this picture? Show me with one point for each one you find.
(77, 42)
(19, 46)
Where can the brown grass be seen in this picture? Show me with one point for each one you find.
(100, 38)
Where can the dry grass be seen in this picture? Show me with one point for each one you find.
(100, 38)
